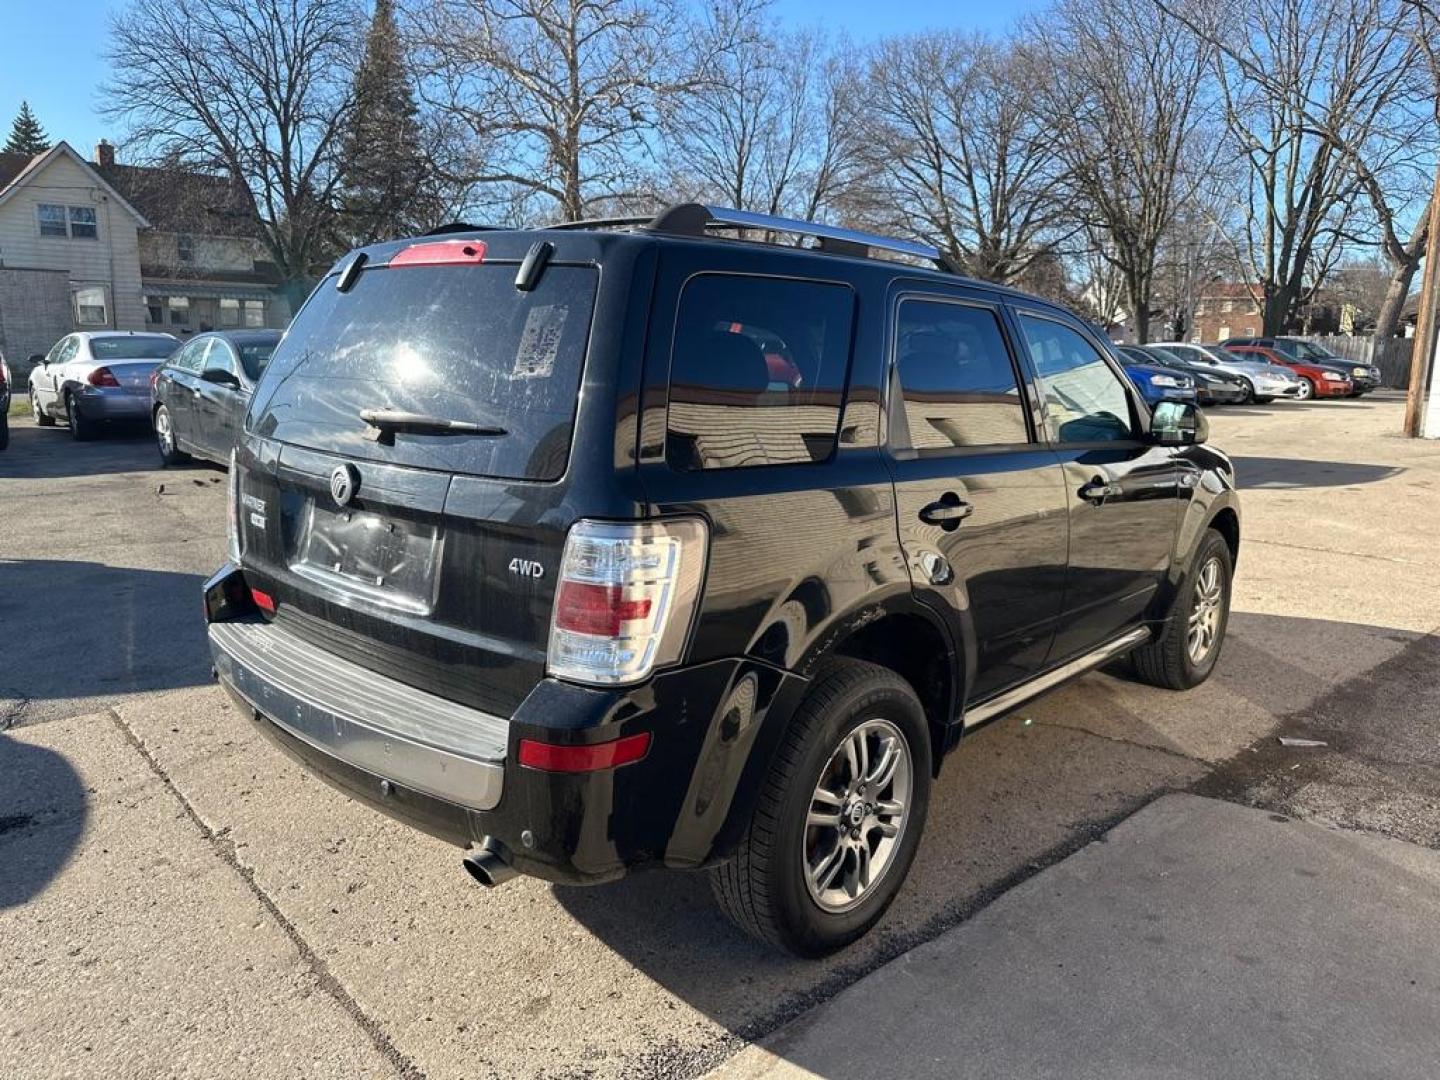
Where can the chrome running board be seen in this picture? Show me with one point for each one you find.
(1012, 699)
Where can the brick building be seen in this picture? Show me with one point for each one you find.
(1233, 309)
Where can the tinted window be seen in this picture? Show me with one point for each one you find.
(453, 343)
(254, 356)
(132, 348)
(190, 355)
(1085, 401)
(757, 371)
(220, 357)
(956, 380)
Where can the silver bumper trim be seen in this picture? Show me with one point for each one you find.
(394, 731)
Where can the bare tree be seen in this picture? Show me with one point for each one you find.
(255, 89)
(1307, 85)
(561, 98)
(1121, 91)
(768, 124)
(957, 153)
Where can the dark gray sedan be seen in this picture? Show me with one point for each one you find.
(199, 396)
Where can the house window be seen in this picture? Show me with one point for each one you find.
(1249, 331)
(1224, 333)
(52, 220)
(255, 314)
(82, 223)
(185, 248)
(179, 310)
(90, 307)
(1227, 306)
(229, 312)
(155, 310)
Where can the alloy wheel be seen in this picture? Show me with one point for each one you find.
(1204, 627)
(1307, 390)
(163, 432)
(858, 814)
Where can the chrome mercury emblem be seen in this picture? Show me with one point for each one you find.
(343, 482)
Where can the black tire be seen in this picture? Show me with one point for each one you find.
(42, 418)
(4, 430)
(1262, 400)
(170, 452)
(1166, 661)
(81, 429)
(1248, 388)
(764, 887)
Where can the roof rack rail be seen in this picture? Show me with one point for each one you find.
(459, 226)
(693, 219)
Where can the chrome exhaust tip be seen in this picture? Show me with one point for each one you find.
(487, 865)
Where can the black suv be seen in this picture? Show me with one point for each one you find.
(593, 548)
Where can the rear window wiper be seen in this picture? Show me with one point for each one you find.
(384, 423)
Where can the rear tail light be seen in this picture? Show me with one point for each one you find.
(154, 378)
(626, 598)
(232, 514)
(102, 376)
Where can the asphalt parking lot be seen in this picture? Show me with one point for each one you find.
(177, 898)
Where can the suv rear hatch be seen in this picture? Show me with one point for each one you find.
(424, 554)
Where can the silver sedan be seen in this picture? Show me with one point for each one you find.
(90, 377)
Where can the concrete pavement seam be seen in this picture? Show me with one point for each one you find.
(319, 970)
(1335, 551)
(1127, 742)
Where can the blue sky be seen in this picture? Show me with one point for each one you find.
(50, 52)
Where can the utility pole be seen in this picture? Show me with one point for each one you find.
(1422, 405)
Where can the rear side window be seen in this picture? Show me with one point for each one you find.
(956, 379)
(445, 342)
(254, 357)
(1085, 401)
(757, 372)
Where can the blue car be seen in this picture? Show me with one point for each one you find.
(1157, 383)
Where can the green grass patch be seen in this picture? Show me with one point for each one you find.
(19, 404)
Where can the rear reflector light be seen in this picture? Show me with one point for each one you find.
(232, 513)
(154, 378)
(625, 599)
(263, 600)
(440, 253)
(102, 376)
(574, 759)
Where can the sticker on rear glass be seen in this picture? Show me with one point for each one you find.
(539, 342)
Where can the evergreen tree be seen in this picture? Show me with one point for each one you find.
(388, 190)
(26, 135)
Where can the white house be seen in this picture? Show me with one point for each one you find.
(69, 253)
(98, 245)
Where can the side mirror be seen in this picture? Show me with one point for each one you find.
(37, 359)
(221, 377)
(1178, 423)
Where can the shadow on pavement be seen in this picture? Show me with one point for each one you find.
(1059, 774)
(81, 629)
(37, 453)
(42, 816)
(1282, 473)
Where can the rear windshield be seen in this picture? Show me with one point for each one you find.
(128, 348)
(254, 357)
(447, 342)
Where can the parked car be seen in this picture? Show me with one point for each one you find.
(1158, 383)
(199, 396)
(1261, 380)
(530, 547)
(1212, 387)
(1316, 380)
(1363, 377)
(4, 403)
(95, 376)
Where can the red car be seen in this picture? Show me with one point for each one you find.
(1315, 381)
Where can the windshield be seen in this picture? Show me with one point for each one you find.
(132, 348)
(445, 342)
(1307, 351)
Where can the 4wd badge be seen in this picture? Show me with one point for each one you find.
(526, 567)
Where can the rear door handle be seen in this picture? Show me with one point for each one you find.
(947, 514)
(1098, 490)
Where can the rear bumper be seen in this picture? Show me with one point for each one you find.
(102, 403)
(453, 771)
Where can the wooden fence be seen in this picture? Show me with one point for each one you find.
(1392, 355)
